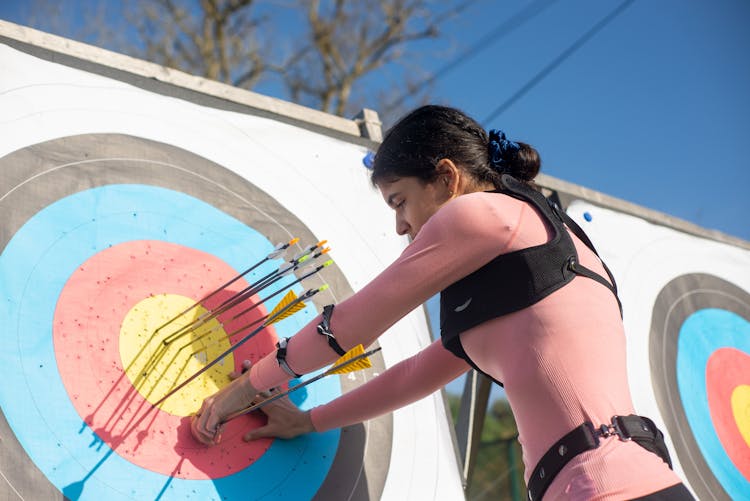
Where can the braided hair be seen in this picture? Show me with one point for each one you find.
(414, 146)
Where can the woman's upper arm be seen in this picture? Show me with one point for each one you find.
(460, 238)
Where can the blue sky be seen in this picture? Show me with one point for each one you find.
(653, 109)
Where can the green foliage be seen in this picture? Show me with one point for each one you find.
(498, 471)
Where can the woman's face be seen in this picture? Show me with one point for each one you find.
(414, 201)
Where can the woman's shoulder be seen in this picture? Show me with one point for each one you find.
(481, 206)
(477, 214)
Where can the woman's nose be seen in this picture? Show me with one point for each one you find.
(402, 227)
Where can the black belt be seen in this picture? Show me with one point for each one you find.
(586, 437)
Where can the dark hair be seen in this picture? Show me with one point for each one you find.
(419, 140)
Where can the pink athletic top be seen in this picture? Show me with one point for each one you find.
(562, 360)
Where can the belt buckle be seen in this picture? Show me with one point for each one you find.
(616, 427)
(619, 428)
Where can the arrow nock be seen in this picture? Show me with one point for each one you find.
(321, 252)
(278, 251)
(310, 249)
(311, 292)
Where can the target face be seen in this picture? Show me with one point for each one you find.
(700, 359)
(98, 252)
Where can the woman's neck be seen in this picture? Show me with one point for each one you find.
(475, 186)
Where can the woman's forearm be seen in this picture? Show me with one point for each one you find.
(406, 382)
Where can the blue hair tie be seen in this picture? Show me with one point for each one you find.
(501, 151)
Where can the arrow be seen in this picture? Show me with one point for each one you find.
(276, 252)
(245, 293)
(233, 300)
(276, 315)
(353, 360)
(308, 274)
(255, 305)
(285, 301)
(310, 249)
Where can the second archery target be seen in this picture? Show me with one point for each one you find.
(700, 359)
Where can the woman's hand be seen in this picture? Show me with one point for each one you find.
(285, 420)
(206, 424)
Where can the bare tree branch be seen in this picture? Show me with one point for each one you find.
(335, 45)
(211, 38)
(352, 39)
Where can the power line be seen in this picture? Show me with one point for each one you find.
(502, 29)
(557, 61)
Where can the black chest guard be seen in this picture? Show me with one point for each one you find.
(518, 279)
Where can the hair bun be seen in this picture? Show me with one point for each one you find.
(520, 160)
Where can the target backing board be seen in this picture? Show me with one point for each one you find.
(122, 207)
(686, 304)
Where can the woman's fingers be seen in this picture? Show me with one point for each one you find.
(285, 420)
(217, 433)
(199, 430)
(198, 422)
(205, 423)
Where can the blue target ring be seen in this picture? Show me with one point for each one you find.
(35, 266)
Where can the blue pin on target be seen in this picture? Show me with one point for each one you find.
(369, 160)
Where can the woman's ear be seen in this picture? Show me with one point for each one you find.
(449, 174)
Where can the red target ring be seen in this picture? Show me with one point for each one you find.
(107, 310)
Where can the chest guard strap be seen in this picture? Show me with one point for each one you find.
(518, 279)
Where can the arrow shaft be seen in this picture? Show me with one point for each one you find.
(206, 367)
(232, 301)
(330, 371)
(212, 294)
(241, 296)
(317, 269)
(254, 322)
(242, 341)
(267, 401)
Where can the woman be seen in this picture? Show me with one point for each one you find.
(523, 299)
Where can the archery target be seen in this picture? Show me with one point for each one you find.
(700, 344)
(100, 247)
